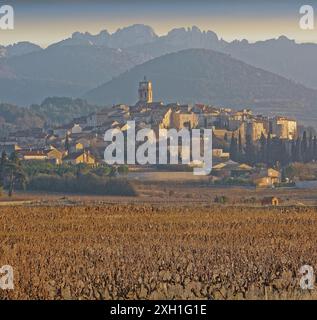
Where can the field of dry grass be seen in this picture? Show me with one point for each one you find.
(157, 252)
(168, 193)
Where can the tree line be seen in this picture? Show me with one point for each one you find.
(272, 150)
(46, 176)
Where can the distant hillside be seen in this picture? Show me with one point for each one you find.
(17, 118)
(52, 111)
(281, 56)
(61, 110)
(24, 92)
(78, 65)
(206, 76)
(60, 71)
(84, 61)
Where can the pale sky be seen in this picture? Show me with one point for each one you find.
(45, 22)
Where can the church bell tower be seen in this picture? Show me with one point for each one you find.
(145, 91)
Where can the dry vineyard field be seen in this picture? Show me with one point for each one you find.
(156, 252)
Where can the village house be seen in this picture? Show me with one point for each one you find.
(220, 155)
(97, 119)
(208, 120)
(62, 131)
(255, 129)
(51, 138)
(233, 124)
(103, 119)
(76, 129)
(37, 155)
(52, 154)
(231, 169)
(180, 119)
(34, 136)
(284, 128)
(81, 156)
(76, 147)
(266, 178)
(270, 201)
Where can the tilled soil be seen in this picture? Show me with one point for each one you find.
(157, 252)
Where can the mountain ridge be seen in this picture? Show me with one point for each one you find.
(86, 61)
(207, 76)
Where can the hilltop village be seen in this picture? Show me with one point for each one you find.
(241, 139)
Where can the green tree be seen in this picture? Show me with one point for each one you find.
(249, 150)
(262, 155)
(315, 148)
(298, 154)
(14, 173)
(269, 150)
(284, 157)
(310, 155)
(293, 151)
(3, 162)
(233, 148)
(240, 146)
(67, 144)
(290, 172)
(304, 148)
(283, 175)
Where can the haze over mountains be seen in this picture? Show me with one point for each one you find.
(75, 66)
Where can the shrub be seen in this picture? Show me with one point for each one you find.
(233, 182)
(86, 184)
(221, 199)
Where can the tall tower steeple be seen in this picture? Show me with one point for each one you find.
(145, 91)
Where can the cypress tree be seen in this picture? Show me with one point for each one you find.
(233, 148)
(293, 151)
(310, 148)
(304, 148)
(315, 148)
(298, 155)
(240, 142)
(3, 162)
(67, 144)
(284, 156)
(263, 150)
(249, 150)
(269, 150)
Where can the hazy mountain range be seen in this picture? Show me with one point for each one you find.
(201, 75)
(77, 65)
(18, 49)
